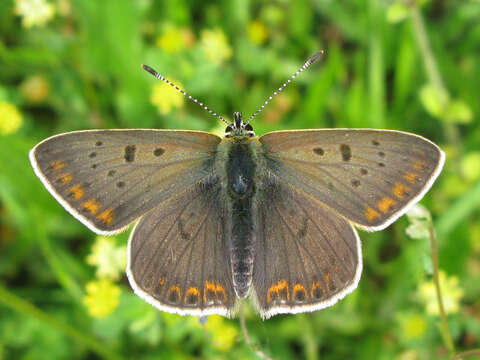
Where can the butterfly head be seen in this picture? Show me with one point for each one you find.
(238, 128)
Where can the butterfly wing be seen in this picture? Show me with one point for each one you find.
(307, 257)
(177, 258)
(369, 177)
(109, 178)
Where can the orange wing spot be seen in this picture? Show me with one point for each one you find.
(220, 289)
(411, 177)
(77, 192)
(192, 295)
(327, 279)
(371, 214)
(297, 288)
(419, 165)
(161, 281)
(385, 204)
(192, 290)
(57, 165)
(400, 190)
(65, 178)
(174, 288)
(316, 285)
(278, 288)
(106, 216)
(216, 289)
(335, 268)
(209, 286)
(92, 206)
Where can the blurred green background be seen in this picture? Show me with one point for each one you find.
(71, 64)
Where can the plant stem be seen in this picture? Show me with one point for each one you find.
(243, 326)
(26, 308)
(309, 339)
(447, 337)
(424, 46)
(466, 353)
(431, 68)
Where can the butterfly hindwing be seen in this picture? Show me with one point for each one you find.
(369, 177)
(109, 178)
(307, 257)
(177, 256)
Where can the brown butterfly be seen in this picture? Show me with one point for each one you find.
(269, 218)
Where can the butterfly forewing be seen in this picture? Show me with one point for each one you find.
(369, 177)
(109, 178)
(307, 257)
(177, 257)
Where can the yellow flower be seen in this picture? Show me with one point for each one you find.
(109, 259)
(10, 118)
(223, 333)
(451, 294)
(35, 88)
(34, 12)
(165, 98)
(413, 326)
(215, 46)
(175, 39)
(102, 297)
(257, 32)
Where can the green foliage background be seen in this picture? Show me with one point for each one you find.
(388, 65)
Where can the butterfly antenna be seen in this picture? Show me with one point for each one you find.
(161, 77)
(304, 67)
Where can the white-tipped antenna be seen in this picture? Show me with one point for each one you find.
(304, 67)
(160, 77)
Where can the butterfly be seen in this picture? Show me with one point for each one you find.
(219, 219)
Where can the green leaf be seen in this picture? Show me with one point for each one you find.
(458, 112)
(433, 100)
(397, 12)
(470, 166)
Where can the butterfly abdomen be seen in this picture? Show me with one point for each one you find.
(240, 169)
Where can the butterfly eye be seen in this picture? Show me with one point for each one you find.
(248, 127)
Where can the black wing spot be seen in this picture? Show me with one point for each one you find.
(120, 184)
(111, 173)
(173, 296)
(317, 292)
(319, 151)
(303, 230)
(381, 154)
(381, 164)
(356, 183)
(363, 171)
(92, 155)
(346, 152)
(158, 152)
(192, 299)
(375, 142)
(94, 166)
(98, 143)
(181, 228)
(130, 153)
(300, 296)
